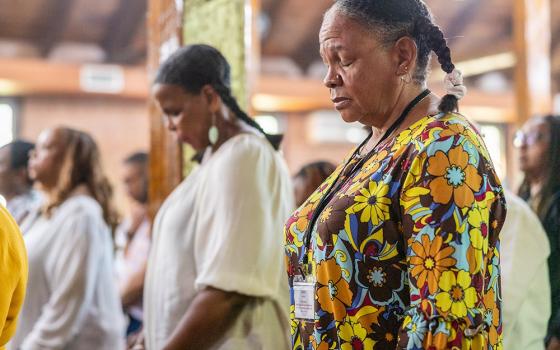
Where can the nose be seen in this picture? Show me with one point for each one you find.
(332, 79)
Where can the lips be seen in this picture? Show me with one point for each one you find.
(341, 102)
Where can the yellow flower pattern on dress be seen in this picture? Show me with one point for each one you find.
(405, 253)
(372, 203)
(457, 295)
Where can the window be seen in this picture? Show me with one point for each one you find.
(328, 127)
(7, 123)
(494, 137)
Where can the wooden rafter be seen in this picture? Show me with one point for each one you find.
(51, 24)
(124, 24)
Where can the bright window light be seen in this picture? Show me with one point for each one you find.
(6, 124)
(328, 127)
(269, 123)
(494, 139)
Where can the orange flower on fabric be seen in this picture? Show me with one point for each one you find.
(333, 292)
(492, 316)
(304, 216)
(455, 178)
(430, 261)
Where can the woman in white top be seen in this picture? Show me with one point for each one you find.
(525, 283)
(72, 301)
(215, 277)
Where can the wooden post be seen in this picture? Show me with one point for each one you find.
(532, 27)
(164, 36)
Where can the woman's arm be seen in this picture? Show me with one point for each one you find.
(132, 288)
(209, 317)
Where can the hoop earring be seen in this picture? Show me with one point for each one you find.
(213, 133)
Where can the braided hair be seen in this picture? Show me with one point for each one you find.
(195, 66)
(394, 19)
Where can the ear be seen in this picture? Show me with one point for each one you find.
(212, 98)
(405, 53)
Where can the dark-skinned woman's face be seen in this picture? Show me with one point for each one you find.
(187, 115)
(533, 142)
(362, 73)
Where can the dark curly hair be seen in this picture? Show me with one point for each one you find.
(194, 66)
(394, 19)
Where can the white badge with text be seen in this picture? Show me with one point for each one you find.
(304, 300)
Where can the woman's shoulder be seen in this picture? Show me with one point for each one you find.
(10, 235)
(451, 129)
(245, 149)
(80, 206)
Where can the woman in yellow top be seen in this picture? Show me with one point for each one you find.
(13, 274)
(399, 248)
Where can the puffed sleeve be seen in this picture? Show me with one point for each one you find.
(241, 208)
(13, 274)
(452, 208)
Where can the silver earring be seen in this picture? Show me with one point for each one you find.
(213, 133)
(406, 78)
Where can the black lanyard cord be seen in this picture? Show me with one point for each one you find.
(331, 191)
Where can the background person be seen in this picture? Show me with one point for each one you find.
(215, 278)
(13, 274)
(72, 300)
(133, 240)
(539, 159)
(15, 184)
(401, 245)
(309, 177)
(525, 282)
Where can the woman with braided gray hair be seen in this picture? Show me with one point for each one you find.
(399, 248)
(215, 278)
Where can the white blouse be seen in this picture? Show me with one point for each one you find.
(222, 228)
(525, 285)
(72, 300)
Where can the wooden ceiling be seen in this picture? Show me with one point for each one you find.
(474, 28)
(116, 29)
(38, 28)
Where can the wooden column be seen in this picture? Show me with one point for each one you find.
(164, 36)
(532, 27)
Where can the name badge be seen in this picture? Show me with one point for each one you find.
(304, 300)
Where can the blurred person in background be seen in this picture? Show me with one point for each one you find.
(15, 184)
(525, 282)
(215, 278)
(13, 275)
(133, 241)
(309, 177)
(72, 300)
(539, 159)
(399, 248)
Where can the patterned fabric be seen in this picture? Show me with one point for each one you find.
(406, 253)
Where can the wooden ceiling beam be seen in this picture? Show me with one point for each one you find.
(51, 24)
(24, 77)
(292, 25)
(126, 21)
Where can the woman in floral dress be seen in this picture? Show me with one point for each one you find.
(398, 248)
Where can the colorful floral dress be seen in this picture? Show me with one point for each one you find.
(405, 255)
